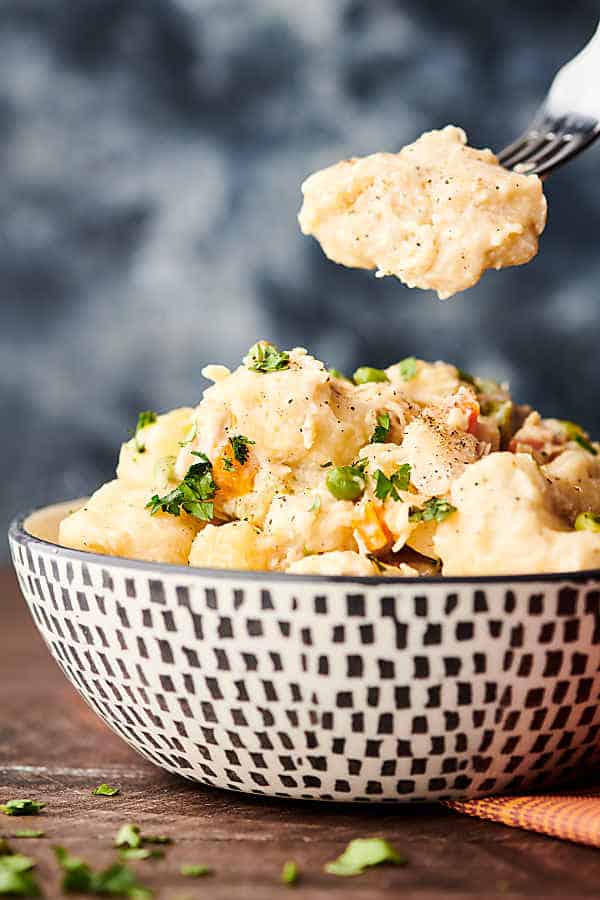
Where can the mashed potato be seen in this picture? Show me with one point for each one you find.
(286, 466)
(436, 215)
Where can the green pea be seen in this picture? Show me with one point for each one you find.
(587, 521)
(345, 482)
(366, 374)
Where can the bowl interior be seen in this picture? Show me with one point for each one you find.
(43, 523)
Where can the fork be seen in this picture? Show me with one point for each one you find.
(567, 122)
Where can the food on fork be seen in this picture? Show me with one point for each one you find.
(288, 466)
(436, 215)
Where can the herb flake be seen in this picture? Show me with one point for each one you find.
(289, 872)
(266, 357)
(117, 879)
(16, 877)
(22, 807)
(194, 871)
(434, 510)
(148, 417)
(585, 444)
(128, 836)
(388, 487)
(382, 430)
(362, 853)
(193, 495)
(407, 368)
(240, 445)
(105, 790)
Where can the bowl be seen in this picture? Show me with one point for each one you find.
(325, 688)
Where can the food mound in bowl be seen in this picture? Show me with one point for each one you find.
(287, 466)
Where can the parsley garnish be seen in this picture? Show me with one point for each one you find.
(466, 377)
(194, 871)
(266, 357)
(129, 836)
(193, 495)
(289, 872)
(382, 429)
(228, 464)
(191, 435)
(585, 444)
(362, 853)
(138, 853)
(407, 368)
(388, 487)
(29, 833)
(22, 807)
(240, 445)
(434, 510)
(105, 790)
(16, 877)
(148, 417)
(376, 562)
(116, 879)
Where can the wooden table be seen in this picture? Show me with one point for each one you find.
(53, 748)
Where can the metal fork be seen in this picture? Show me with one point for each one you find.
(567, 122)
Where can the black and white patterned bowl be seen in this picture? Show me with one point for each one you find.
(362, 689)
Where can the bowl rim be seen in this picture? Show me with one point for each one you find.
(18, 533)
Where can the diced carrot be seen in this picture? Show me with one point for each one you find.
(373, 532)
(232, 478)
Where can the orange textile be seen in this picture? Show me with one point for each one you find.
(570, 815)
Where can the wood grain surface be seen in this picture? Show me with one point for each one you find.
(53, 748)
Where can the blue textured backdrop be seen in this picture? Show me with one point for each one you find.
(151, 155)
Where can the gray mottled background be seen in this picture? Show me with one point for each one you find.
(151, 155)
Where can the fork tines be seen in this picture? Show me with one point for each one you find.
(549, 143)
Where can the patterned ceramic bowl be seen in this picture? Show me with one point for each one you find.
(361, 689)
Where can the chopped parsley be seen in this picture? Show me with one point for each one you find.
(240, 445)
(585, 444)
(363, 853)
(388, 487)
(148, 417)
(29, 833)
(138, 853)
(228, 464)
(16, 877)
(434, 510)
(193, 495)
(316, 504)
(157, 839)
(105, 790)
(22, 807)
(129, 836)
(466, 377)
(194, 871)
(289, 872)
(376, 562)
(191, 435)
(382, 429)
(117, 879)
(407, 368)
(266, 357)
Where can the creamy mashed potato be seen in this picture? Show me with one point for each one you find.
(436, 215)
(286, 466)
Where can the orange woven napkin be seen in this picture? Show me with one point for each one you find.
(570, 815)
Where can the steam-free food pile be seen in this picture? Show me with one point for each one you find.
(436, 215)
(288, 466)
